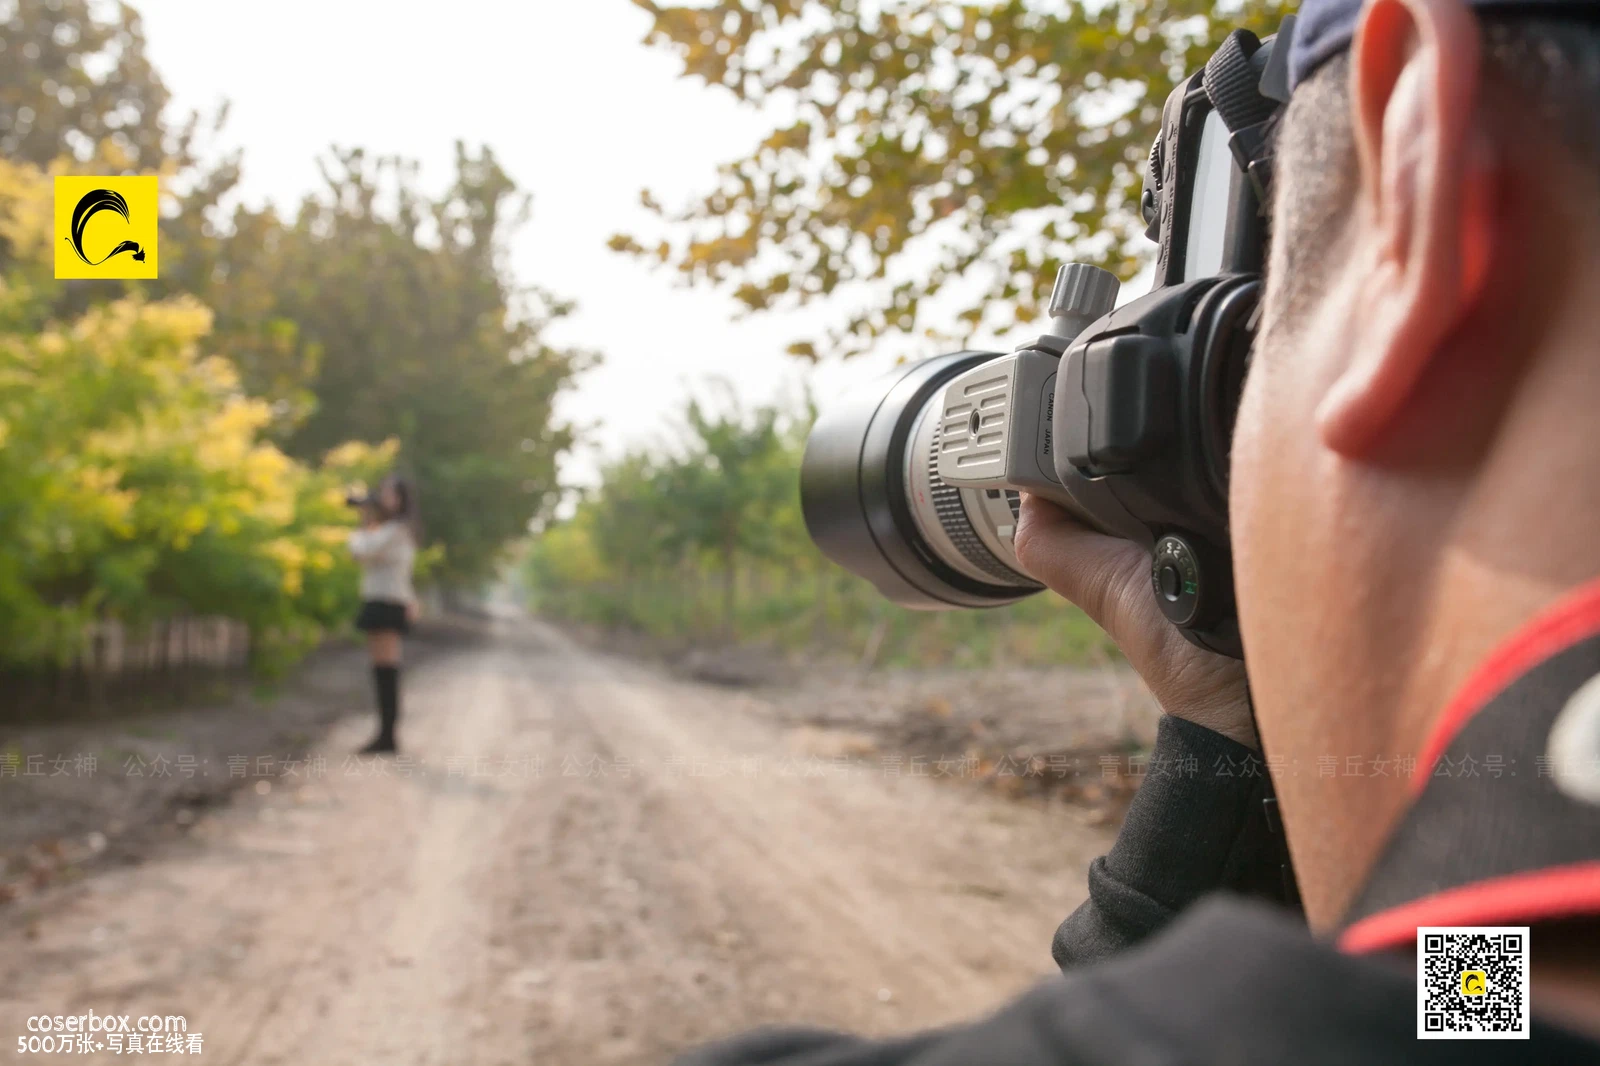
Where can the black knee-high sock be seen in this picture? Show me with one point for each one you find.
(387, 680)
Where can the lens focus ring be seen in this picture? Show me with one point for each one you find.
(956, 523)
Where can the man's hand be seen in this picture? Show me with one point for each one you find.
(1109, 579)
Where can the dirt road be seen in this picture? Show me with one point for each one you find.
(582, 860)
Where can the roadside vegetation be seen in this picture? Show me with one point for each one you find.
(182, 447)
(701, 542)
(930, 165)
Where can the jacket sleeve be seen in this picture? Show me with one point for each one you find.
(1198, 823)
(1232, 981)
(376, 545)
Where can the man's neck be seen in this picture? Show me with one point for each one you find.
(1523, 531)
(1499, 517)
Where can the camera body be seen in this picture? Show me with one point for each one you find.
(1121, 415)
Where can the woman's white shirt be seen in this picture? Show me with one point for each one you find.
(386, 553)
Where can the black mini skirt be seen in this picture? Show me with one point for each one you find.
(383, 616)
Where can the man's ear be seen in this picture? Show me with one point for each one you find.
(1425, 202)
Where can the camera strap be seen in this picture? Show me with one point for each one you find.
(1241, 84)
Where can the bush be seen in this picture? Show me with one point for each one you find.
(706, 544)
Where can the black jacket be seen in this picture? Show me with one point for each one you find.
(1202, 821)
(1155, 974)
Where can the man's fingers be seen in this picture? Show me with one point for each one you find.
(1109, 579)
(1090, 569)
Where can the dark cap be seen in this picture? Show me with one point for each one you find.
(1324, 27)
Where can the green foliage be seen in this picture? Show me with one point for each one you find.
(380, 313)
(134, 479)
(935, 147)
(725, 498)
(375, 311)
(73, 73)
(183, 446)
(705, 543)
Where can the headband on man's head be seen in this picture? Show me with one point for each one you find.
(1324, 27)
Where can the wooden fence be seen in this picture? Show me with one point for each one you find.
(120, 667)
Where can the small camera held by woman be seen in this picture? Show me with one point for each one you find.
(385, 547)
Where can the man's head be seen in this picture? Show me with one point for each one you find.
(1412, 464)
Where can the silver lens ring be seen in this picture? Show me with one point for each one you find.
(948, 516)
(957, 523)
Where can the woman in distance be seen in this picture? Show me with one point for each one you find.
(385, 547)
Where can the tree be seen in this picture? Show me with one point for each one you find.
(728, 490)
(380, 312)
(78, 95)
(373, 312)
(935, 147)
(135, 478)
(724, 498)
(73, 73)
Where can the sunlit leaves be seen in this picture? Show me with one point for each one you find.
(933, 146)
(135, 478)
(722, 496)
(380, 311)
(73, 74)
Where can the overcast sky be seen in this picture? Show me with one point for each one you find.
(579, 112)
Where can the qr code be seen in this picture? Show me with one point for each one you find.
(1472, 982)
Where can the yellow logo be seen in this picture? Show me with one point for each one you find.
(106, 227)
(1474, 982)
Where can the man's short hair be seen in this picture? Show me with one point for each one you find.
(1538, 72)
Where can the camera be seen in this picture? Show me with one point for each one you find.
(1121, 415)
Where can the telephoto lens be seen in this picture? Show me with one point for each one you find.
(875, 504)
(912, 484)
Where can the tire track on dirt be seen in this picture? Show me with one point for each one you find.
(588, 861)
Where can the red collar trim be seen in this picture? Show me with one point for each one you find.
(1532, 895)
(1574, 617)
(1537, 895)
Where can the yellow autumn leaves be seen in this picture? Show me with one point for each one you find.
(137, 480)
